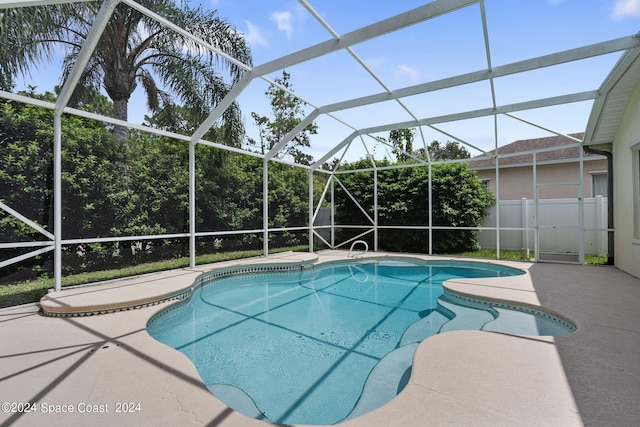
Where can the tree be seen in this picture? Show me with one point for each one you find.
(89, 176)
(154, 198)
(133, 49)
(6, 82)
(402, 141)
(452, 150)
(458, 200)
(286, 110)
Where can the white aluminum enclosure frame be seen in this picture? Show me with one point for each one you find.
(336, 42)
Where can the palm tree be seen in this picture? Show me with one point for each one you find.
(133, 50)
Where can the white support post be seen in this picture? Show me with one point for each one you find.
(192, 204)
(57, 201)
(265, 207)
(311, 210)
(495, 129)
(375, 210)
(601, 224)
(497, 211)
(536, 228)
(333, 211)
(430, 213)
(581, 211)
(524, 223)
(106, 9)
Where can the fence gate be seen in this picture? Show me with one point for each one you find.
(559, 227)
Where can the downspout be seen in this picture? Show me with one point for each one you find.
(610, 233)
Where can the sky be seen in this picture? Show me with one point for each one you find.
(442, 47)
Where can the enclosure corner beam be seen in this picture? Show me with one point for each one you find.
(311, 210)
(57, 201)
(192, 204)
(265, 207)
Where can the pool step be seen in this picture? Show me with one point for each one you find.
(424, 328)
(384, 380)
(236, 399)
(517, 322)
(466, 318)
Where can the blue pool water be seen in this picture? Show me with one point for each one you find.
(329, 343)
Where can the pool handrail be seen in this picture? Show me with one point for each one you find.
(366, 248)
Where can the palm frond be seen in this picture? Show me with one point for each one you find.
(207, 26)
(134, 49)
(22, 31)
(151, 89)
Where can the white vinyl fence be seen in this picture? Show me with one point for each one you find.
(558, 222)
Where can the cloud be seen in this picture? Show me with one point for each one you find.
(410, 73)
(255, 36)
(375, 62)
(625, 8)
(284, 20)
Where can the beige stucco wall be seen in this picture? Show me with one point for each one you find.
(626, 191)
(517, 182)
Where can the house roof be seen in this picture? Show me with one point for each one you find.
(614, 96)
(509, 153)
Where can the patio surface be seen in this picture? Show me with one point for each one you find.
(109, 371)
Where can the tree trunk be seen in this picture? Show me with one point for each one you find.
(122, 135)
(120, 107)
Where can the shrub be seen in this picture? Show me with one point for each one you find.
(458, 200)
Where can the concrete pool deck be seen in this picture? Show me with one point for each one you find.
(109, 371)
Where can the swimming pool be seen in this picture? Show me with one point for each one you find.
(328, 343)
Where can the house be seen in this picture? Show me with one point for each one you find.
(614, 130)
(554, 166)
(547, 223)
